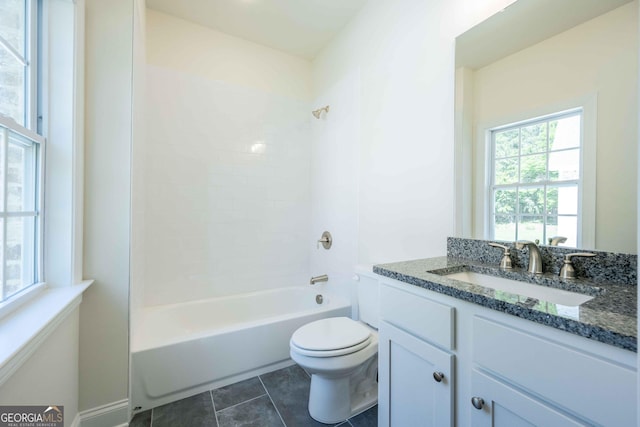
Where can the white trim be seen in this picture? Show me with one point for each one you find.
(588, 198)
(111, 414)
(76, 421)
(78, 144)
(26, 328)
(16, 300)
(16, 127)
(63, 124)
(33, 65)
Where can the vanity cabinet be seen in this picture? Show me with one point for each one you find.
(508, 371)
(595, 389)
(416, 377)
(496, 404)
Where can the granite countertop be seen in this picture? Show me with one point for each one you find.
(610, 317)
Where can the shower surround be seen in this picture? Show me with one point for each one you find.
(227, 200)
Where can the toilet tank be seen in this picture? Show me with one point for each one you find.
(368, 296)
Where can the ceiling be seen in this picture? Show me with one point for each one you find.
(298, 27)
(522, 24)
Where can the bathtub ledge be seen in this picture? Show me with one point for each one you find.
(24, 329)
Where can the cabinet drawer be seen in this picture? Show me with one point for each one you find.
(427, 319)
(587, 385)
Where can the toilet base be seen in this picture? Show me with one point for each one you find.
(332, 400)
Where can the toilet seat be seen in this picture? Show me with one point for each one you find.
(335, 336)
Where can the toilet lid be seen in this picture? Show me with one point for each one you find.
(330, 334)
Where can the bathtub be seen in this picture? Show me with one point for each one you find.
(179, 350)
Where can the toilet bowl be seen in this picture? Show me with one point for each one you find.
(341, 355)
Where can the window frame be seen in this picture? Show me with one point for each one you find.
(543, 184)
(31, 131)
(478, 168)
(30, 61)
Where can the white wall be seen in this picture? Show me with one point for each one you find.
(227, 165)
(402, 53)
(138, 153)
(334, 183)
(598, 58)
(50, 375)
(104, 310)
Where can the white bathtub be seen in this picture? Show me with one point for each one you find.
(182, 349)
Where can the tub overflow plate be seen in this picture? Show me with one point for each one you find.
(319, 299)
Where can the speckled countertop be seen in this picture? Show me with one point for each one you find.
(610, 317)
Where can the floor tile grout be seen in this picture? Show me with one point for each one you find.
(215, 413)
(243, 402)
(272, 402)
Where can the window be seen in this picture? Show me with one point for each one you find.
(20, 149)
(536, 179)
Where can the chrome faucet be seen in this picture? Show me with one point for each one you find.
(556, 240)
(323, 278)
(535, 259)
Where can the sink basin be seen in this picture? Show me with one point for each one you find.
(545, 293)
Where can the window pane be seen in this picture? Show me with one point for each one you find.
(504, 201)
(567, 227)
(531, 228)
(534, 138)
(19, 263)
(504, 227)
(20, 196)
(562, 200)
(531, 201)
(506, 171)
(564, 133)
(564, 165)
(4, 294)
(12, 23)
(2, 139)
(506, 143)
(533, 168)
(551, 227)
(12, 87)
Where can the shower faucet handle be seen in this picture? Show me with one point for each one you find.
(326, 240)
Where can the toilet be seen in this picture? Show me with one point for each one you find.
(341, 355)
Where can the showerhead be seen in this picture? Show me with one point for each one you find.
(318, 112)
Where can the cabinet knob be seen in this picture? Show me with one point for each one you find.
(438, 376)
(477, 402)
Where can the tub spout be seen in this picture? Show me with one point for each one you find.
(323, 278)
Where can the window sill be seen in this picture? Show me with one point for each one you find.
(24, 329)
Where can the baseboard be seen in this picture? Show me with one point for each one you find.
(76, 421)
(114, 414)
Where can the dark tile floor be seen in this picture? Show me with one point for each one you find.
(275, 399)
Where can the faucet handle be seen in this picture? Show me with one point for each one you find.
(567, 271)
(326, 240)
(505, 262)
(520, 244)
(556, 240)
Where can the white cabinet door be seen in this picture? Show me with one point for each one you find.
(494, 403)
(415, 381)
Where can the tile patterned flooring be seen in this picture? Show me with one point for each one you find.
(274, 399)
